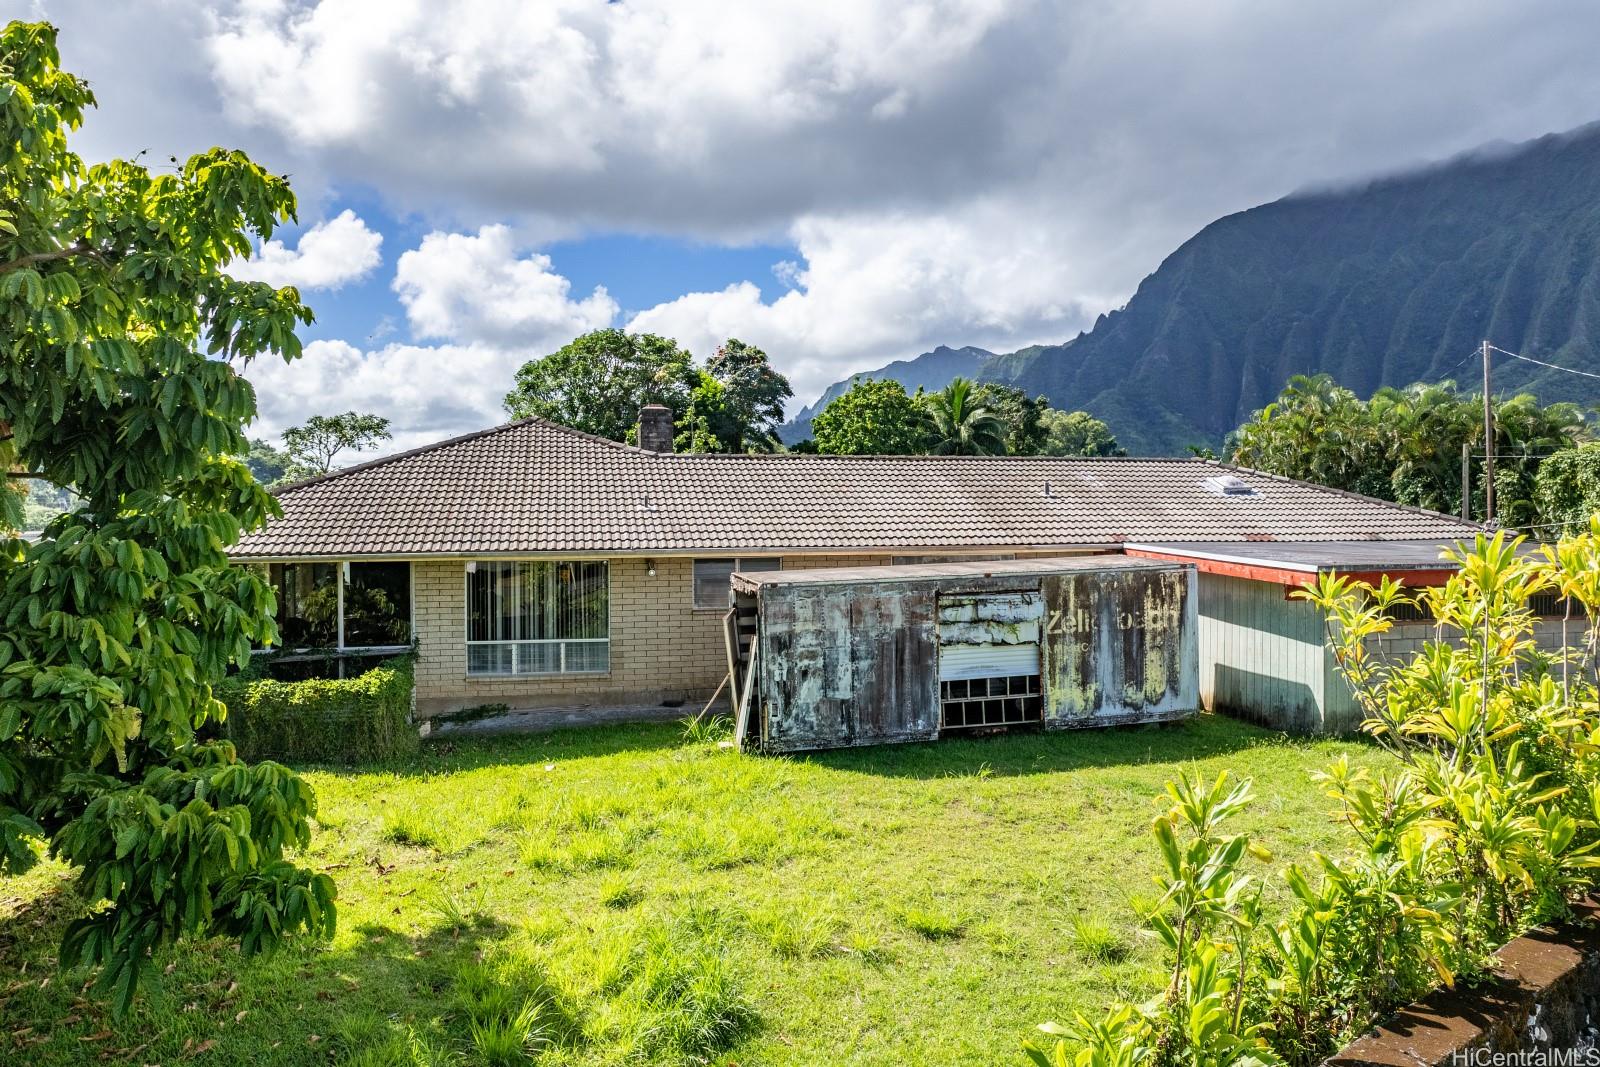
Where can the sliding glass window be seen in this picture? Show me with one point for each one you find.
(342, 605)
(377, 605)
(538, 617)
(308, 604)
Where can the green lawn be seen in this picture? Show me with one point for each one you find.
(659, 901)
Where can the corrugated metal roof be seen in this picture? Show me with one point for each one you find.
(1316, 556)
(534, 487)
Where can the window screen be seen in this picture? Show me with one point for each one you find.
(712, 578)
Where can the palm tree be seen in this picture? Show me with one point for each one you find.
(961, 425)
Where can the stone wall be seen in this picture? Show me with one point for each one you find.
(1543, 997)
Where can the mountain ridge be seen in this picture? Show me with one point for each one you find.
(1382, 282)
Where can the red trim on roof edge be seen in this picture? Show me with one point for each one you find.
(1260, 572)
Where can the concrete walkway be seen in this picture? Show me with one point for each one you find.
(539, 720)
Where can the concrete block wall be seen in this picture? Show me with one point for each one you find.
(663, 648)
(1408, 637)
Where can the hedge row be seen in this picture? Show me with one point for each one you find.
(323, 720)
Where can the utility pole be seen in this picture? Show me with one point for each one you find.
(1466, 481)
(1488, 442)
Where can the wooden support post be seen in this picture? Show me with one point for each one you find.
(741, 721)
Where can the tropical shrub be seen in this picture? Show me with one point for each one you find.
(1488, 824)
(323, 720)
(1566, 490)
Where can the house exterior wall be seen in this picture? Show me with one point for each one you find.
(663, 648)
(1264, 656)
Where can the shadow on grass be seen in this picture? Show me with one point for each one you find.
(294, 1006)
(453, 754)
(1024, 752)
(1051, 751)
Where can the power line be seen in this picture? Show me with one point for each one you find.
(1525, 455)
(1542, 363)
(1474, 354)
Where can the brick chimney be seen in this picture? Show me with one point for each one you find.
(655, 428)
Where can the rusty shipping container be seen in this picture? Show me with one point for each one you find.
(870, 655)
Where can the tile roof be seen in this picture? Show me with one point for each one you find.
(536, 487)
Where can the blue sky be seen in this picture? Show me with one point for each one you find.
(842, 183)
(639, 271)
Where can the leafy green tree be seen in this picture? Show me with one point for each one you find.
(1405, 445)
(267, 464)
(598, 382)
(872, 418)
(1567, 488)
(1077, 433)
(1526, 434)
(708, 423)
(312, 446)
(960, 425)
(752, 396)
(1317, 431)
(120, 340)
(1022, 416)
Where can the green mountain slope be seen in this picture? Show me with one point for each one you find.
(1386, 284)
(931, 370)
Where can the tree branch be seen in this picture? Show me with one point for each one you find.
(79, 248)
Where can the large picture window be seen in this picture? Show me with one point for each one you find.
(713, 586)
(538, 617)
(327, 605)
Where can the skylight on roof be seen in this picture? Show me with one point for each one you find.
(1228, 485)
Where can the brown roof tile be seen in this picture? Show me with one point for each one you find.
(535, 487)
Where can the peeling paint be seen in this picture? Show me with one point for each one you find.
(1120, 647)
(856, 663)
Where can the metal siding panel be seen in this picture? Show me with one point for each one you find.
(987, 661)
(1265, 654)
(1120, 647)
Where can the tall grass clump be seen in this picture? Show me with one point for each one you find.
(513, 1013)
(1097, 940)
(691, 1001)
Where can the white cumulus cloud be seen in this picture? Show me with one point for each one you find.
(476, 287)
(330, 254)
(984, 172)
(427, 392)
(491, 306)
(873, 289)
